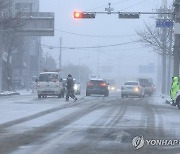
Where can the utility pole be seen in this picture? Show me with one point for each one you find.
(170, 56)
(39, 56)
(98, 72)
(177, 38)
(60, 55)
(1, 59)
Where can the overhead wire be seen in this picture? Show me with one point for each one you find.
(90, 47)
(133, 5)
(115, 3)
(101, 36)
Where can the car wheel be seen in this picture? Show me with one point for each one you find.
(39, 96)
(106, 95)
(59, 96)
(62, 94)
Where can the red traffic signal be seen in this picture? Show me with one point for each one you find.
(79, 15)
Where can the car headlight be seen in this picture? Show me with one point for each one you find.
(136, 89)
(75, 87)
(112, 88)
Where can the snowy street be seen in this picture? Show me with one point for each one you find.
(95, 124)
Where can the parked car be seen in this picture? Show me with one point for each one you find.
(97, 86)
(132, 88)
(49, 84)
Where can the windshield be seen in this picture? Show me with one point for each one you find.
(48, 77)
(131, 83)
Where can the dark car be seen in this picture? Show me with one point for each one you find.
(97, 87)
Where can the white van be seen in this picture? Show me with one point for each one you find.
(49, 84)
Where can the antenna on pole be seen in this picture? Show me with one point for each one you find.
(109, 9)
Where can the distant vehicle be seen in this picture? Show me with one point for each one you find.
(148, 85)
(77, 87)
(111, 84)
(49, 84)
(93, 76)
(132, 88)
(97, 86)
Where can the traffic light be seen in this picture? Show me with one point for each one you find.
(129, 15)
(79, 15)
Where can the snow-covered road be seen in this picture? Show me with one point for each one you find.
(91, 125)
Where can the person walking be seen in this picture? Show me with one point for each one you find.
(70, 88)
(174, 88)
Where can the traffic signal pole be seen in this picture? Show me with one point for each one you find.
(177, 39)
(1, 59)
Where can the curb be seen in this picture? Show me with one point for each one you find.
(167, 102)
(9, 94)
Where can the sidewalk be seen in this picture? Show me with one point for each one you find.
(17, 92)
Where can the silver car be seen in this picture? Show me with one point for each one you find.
(132, 88)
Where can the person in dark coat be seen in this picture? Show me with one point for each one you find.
(70, 88)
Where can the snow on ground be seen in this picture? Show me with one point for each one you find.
(16, 107)
(41, 121)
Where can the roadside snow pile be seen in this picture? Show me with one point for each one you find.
(9, 93)
(163, 98)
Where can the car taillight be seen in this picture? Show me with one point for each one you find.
(89, 84)
(103, 84)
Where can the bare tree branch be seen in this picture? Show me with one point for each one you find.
(152, 37)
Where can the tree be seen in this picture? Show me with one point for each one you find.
(161, 41)
(10, 21)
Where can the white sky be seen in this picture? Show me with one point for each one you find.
(130, 58)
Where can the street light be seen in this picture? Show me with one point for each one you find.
(79, 72)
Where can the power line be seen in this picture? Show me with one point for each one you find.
(133, 5)
(90, 47)
(101, 36)
(99, 7)
(125, 49)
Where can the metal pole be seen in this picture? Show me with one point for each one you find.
(98, 63)
(164, 74)
(46, 60)
(177, 39)
(1, 59)
(170, 61)
(79, 70)
(39, 56)
(60, 55)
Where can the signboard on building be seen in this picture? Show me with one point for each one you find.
(150, 68)
(37, 24)
(162, 23)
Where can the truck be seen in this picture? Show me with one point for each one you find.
(147, 83)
